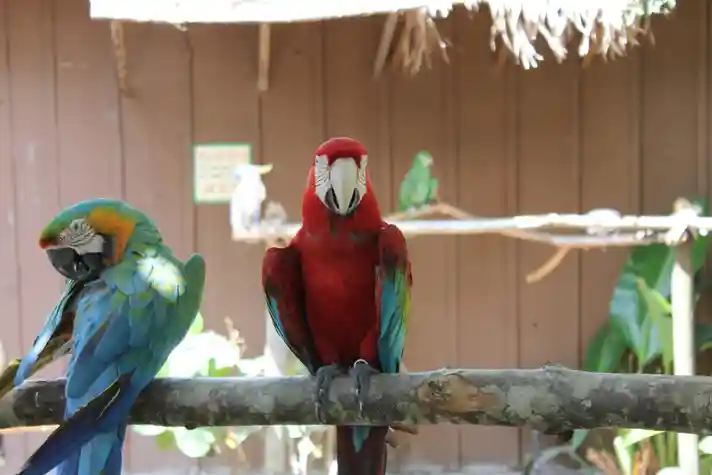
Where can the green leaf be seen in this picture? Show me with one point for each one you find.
(652, 263)
(188, 359)
(658, 311)
(148, 430)
(253, 366)
(703, 336)
(653, 347)
(631, 437)
(705, 445)
(624, 313)
(166, 440)
(215, 372)
(242, 433)
(197, 326)
(706, 464)
(295, 432)
(195, 443)
(700, 247)
(624, 455)
(193, 355)
(578, 438)
(305, 448)
(605, 351)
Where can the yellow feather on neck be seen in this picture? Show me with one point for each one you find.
(108, 221)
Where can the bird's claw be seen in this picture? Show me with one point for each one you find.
(324, 377)
(362, 372)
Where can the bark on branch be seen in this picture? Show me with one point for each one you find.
(552, 399)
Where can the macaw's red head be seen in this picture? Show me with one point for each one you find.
(340, 180)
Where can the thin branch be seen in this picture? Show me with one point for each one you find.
(552, 399)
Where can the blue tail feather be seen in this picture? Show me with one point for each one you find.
(102, 454)
(70, 466)
(94, 436)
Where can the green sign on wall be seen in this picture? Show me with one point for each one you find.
(213, 168)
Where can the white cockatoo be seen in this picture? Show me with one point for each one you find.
(248, 195)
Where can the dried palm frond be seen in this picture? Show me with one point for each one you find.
(607, 28)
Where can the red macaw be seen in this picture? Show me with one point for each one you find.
(339, 293)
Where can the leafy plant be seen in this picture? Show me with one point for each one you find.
(209, 354)
(637, 337)
(204, 354)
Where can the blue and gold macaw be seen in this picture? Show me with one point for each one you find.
(129, 302)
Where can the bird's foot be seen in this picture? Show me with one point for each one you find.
(324, 377)
(362, 372)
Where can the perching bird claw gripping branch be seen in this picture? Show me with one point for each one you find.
(551, 399)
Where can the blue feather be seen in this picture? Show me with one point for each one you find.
(54, 319)
(394, 305)
(122, 338)
(392, 332)
(278, 326)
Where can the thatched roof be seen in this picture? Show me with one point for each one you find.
(603, 27)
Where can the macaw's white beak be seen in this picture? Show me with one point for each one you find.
(343, 175)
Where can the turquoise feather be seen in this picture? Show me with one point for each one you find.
(394, 307)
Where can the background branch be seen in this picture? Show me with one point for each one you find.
(552, 399)
(611, 230)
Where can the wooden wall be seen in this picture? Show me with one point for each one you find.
(631, 134)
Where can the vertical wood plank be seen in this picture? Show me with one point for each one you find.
(292, 112)
(703, 80)
(89, 137)
(88, 113)
(156, 125)
(226, 109)
(13, 446)
(548, 182)
(353, 99)
(421, 119)
(609, 145)
(707, 144)
(670, 113)
(486, 328)
(34, 148)
(292, 126)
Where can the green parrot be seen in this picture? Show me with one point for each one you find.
(419, 187)
(128, 303)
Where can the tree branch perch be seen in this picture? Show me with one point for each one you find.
(552, 399)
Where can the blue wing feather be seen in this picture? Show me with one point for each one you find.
(55, 323)
(285, 300)
(393, 281)
(393, 286)
(276, 320)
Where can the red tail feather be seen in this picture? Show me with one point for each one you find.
(370, 460)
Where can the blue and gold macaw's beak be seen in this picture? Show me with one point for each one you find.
(80, 267)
